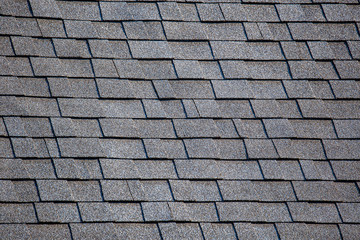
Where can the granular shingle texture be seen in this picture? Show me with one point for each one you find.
(180, 119)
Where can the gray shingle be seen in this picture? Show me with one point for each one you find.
(56, 231)
(163, 109)
(38, 169)
(29, 148)
(295, 50)
(45, 8)
(57, 212)
(119, 128)
(267, 89)
(28, 127)
(202, 148)
(144, 30)
(314, 212)
(77, 169)
(313, 128)
(317, 170)
(342, 149)
(80, 29)
(226, 128)
(66, 127)
(189, 128)
(87, 231)
(300, 13)
(80, 147)
(289, 108)
(311, 231)
(266, 108)
(211, 70)
(256, 231)
(157, 69)
(260, 148)
(275, 169)
(123, 148)
(184, 31)
(104, 68)
(326, 191)
(6, 49)
(129, 69)
(170, 11)
(328, 50)
(346, 89)
(157, 169)
(159, 148)
(51, 28)
(231, 149)
(231, 89)
(354, 48)
(79, 10)
(323, 32)
(256, 191)
(155, 128)
(115, 11)
(313, 108)
(250, 128)
(180, 230)
(341, 12)
(118, 169)
(15, 8)
(14, 231)
(348, 69)
(85, 190)
(346, 170)
(163, 89)
(18, 191)
(33, 46)
(150, 49)
(349, 212)
(24, 86)
(114, 88)
(144, 11)
(156, 211)
(71, 48)
(20, 26)
(96, 212)
(210, 12)
(192, 89)
(303, 149)
(150, 190)
(253, 211)
(109, 49)
(17, 213)
(54, 190)
(127, 212)
(188, 69)
(191, 50)
(188, 12)
(108, 30)
(349, 231)
(48, 67)
(210, 108)
(343, 109)
(298, 89)
(225, 31)
(247, 12)
(218, 231)
(72, 87)
(279, 128)
(138, 231)
(200, 191)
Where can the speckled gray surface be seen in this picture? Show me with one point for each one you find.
(180, 119)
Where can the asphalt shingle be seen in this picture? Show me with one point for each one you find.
(179, 119)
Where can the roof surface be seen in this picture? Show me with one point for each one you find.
(180, 119)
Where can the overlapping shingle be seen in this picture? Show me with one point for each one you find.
(179, 120)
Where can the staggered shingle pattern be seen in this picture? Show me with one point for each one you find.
(182, 119)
